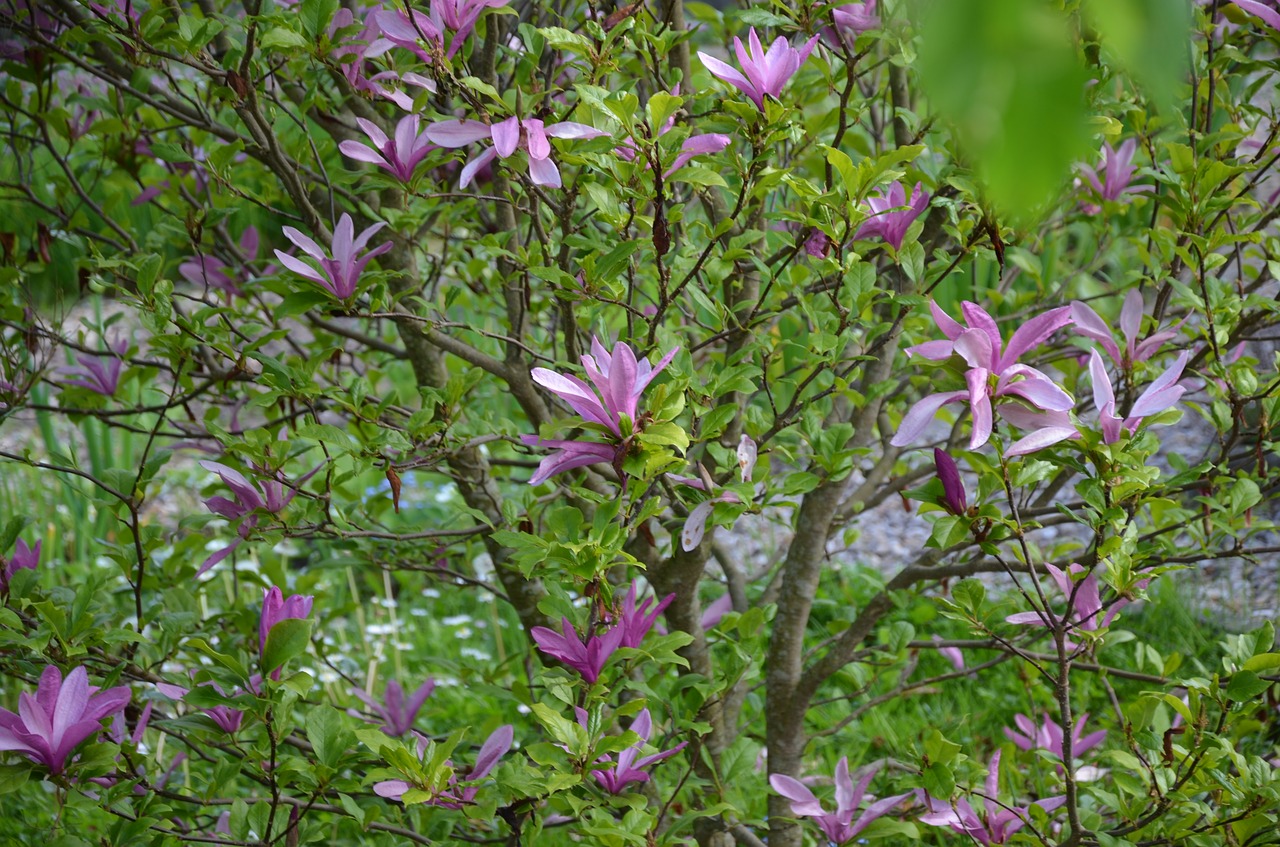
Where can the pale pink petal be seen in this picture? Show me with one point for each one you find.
(919, 416)
(458, 133)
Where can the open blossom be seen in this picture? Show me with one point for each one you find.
(528, 134)
(762, 73)
(340, 273)
(619, 379)
(209, 270)
(275, 608)
(993, 370)
(839, 826)
(351, 55)
(62, 714)
(635, 622)
(856, 18)
(270, 495)
(23, 558)
(889, 215)
(1053, 426)
(1266, 11)
(456, 16)
(1087, 323)
(396, 711)
(101, 374)
(399, 155)
(1163, 393)
(1113, 178)
(454, 795)
(1048, 735)
(567, 455)
(1084, 599)
(588, 657)
(630, 765)
(996, 823)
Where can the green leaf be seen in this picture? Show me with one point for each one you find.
(1263, 662)
(1005, 73)
(940, 751)
(282, 38)
(938, 781)
(1246, 685)
(666, 434)
(328, 734)
(316, 15)
(1149, 38)
(287, 640)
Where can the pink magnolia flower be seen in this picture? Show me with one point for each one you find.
(1262, 10)
(994, 371)
(23, 558)
(457, 16)
(1087, 323)
(62, 714)
(588, 657)
(1084, 599)
(762, 73)
(227, 718)
(817, 244)
(890, 215)
(529, 134)
(340, 274)
(619, 379)
(353, 53)
(634, 622)
(275, 608)
(399, 155)
(100, 374)
(630, 765)
(397, 713)
(461, 16)
(996, 824)
(839, 826)
(1113, 177)
(1048, 735)
(1054, 426)
(270, 495)
(209, 270)
(856, 18)
(567, 455)
(1161, 394)
(454, 795)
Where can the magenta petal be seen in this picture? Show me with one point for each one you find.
(1033, 333)
(1088, 323)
